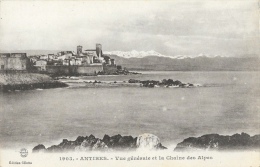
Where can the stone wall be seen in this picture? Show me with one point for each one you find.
(65, 70)
(92, 69)
(74, 70)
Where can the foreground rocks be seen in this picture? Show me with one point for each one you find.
(149, 141)
(117, 142)
(236, 142)
(241, 141)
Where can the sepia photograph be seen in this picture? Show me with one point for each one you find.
(130, 83)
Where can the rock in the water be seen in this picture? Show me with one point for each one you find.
(126, 142)
(119, 142)
(113, 141)
(87, 144)
(79, 140)
(54, 149)
(149, 142)
(161, 147)
(218, 142)
(66, 145)
(100, 145)
(39, 148)
(106, 139)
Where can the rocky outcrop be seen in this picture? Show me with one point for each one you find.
(87, 143)
(117, 142)
(241, 141)
(100, 145)
(13, 81)
(163, 83)
(148, 142)
(39, 148)
(45, 85)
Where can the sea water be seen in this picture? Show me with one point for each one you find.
(226, 103)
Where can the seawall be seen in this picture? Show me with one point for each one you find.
(74, 70)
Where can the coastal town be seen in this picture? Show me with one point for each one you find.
(20, 71)
(81, 62)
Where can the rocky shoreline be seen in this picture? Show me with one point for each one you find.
(168, 83)
(27, 81)
(214, 142)
(43, 85)
(165, 83)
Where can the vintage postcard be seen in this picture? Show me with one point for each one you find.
(130, 83)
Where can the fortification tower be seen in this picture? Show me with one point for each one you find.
(79, 50)
(99, 50)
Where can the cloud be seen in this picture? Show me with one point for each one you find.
(232, 22)
(171, 27)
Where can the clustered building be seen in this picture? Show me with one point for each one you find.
(82, 62)
(87, 57)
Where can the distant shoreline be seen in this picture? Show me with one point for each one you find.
(224, 70)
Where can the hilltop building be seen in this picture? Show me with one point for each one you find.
(83, 62)
(99, 50)
(79, 50)
(92, 56)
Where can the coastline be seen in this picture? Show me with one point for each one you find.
(164, 83)
(27, 81)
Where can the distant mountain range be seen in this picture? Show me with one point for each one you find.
(152, 60)
(142, 54)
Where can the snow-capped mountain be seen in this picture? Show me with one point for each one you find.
(136, 54)
(142, 54)
(201, 62)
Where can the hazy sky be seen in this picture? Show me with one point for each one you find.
(174, 27)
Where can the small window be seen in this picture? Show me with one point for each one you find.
(2, 67)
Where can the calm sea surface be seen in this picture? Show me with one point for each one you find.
(227, 103)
